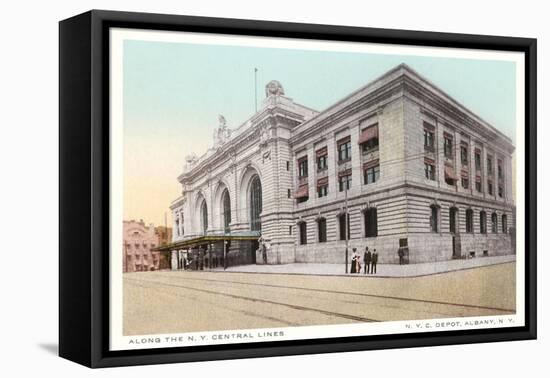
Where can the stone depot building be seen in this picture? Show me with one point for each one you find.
(405, 163)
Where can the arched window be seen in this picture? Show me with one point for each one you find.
(204, 217)
(434, 218)
(255, 204)
(482, 222)
(322, 229)
(371, 222)
(226, 203)
(302, 226)
(469, 221)
(453, 223)
(504, 224)
(343, 226)
(494, 223)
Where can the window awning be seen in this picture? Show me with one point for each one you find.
(429, 126)
(343, 140)
(321, 152)
(368, 134)
(450, 173)
(322, 181)
(345, 172)
(303, 191)
(370, 164)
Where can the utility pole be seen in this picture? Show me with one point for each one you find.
(346, 225)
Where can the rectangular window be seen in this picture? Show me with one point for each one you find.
(434, 220)
(288, 193)
(322, 230)
(465, 182)
(490, 187)
(344, 226)
(500, 191)
(469, 221)
(322, 163)
(479, 187)
(287, 165)
(429, 140)
(448, 146)
(464, 155)
(371, 174)
(322, 158)
(371, 222)
(322, 191)
(369, 138)
(483, 222)
(344, 150)
(500, 169)
(322, 187)
(344, 182)
(478, 159)
(489, 165)
(429, 170)
(302, 167)
(303, 233)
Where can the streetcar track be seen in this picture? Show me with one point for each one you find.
(398, 307)
(353, 293)
(239, 311)
(295, 307)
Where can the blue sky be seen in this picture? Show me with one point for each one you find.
(173, 93)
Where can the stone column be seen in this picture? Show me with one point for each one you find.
(332, 161)
(210, 208)
(355, 158)
(472, 157)
(483, 171)
(457, 159)
(440, 155)
(174, 260)
(312, 185)
(508, 190)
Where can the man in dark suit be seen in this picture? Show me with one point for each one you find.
(367, 258)
(374, 262)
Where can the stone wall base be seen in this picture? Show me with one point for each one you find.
(422, 248)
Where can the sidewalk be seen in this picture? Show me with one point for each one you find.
(383, 270)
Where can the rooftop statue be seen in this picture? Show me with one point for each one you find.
(274, 88)
(222, 133)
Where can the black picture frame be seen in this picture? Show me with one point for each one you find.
(84, 187)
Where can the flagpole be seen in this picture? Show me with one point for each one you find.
(255, 90)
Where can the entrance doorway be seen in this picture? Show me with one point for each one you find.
(456, 247)
(255, 246)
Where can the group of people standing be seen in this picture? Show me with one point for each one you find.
(370, 261)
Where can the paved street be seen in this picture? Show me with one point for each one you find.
(185, 301)
(382, 270)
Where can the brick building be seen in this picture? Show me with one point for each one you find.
(405, 163)
(139, 240)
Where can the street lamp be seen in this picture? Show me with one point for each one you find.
(224, 254)
(346, 221)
